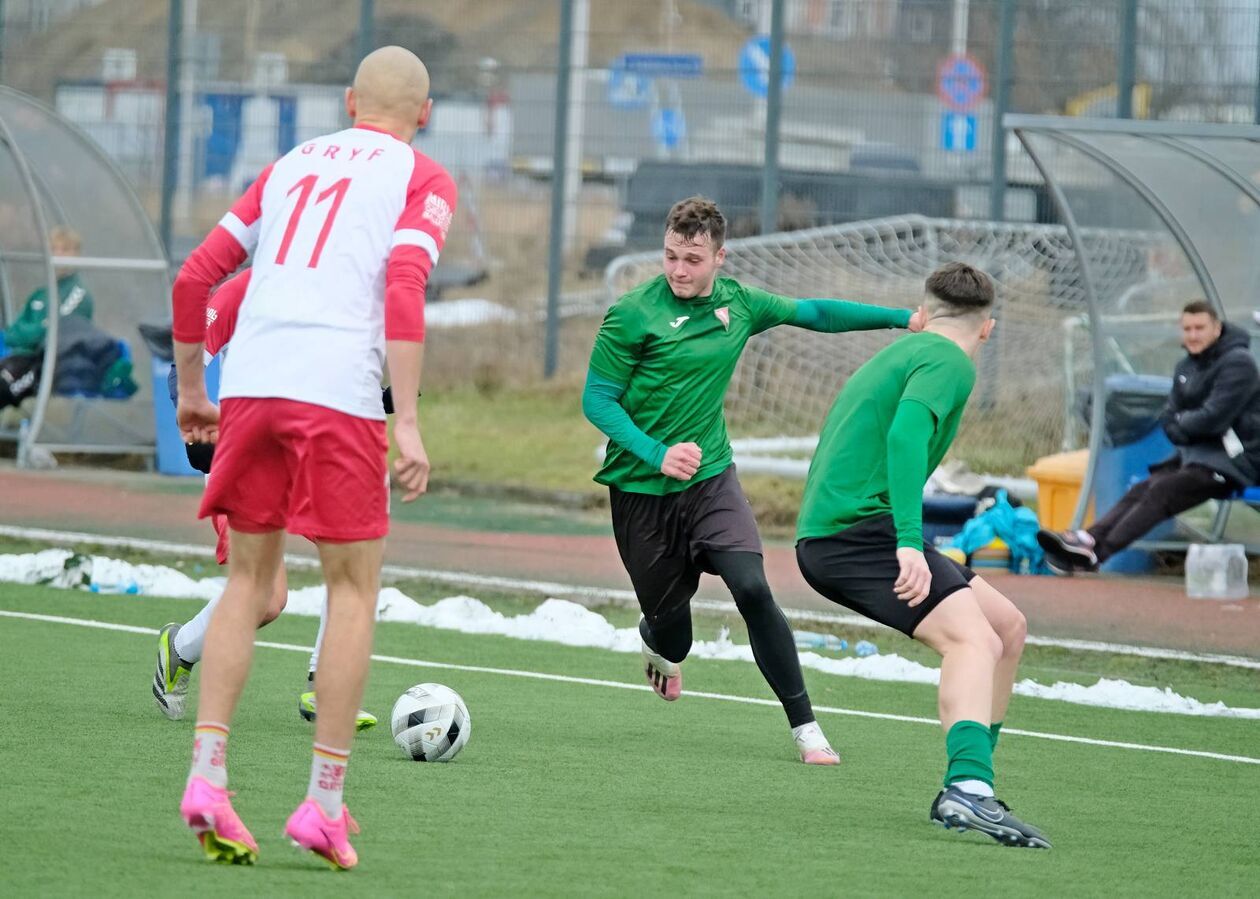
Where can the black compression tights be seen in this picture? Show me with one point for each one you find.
(773, 647)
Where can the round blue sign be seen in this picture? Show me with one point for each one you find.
(960, 82)
(754, 65)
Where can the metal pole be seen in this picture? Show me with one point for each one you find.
(1128, 60)
(1257, 116)
(559, 165)
(774, 113)
(170, 138)
(578, 56)
(367, 28)
(1001, 102)
(958, 30)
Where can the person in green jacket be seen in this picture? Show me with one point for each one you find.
(860, 538)
(28, 332)
(658, 375)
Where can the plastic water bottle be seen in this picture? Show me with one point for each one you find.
(1216, 571)
(812, 640)
(866, 648)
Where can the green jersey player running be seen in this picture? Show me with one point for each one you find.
(658, 375)
(860, 538)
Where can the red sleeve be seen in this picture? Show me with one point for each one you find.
(221, 313)
(220, 254)
(418, 240)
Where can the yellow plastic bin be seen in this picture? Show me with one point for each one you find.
(1059, 480)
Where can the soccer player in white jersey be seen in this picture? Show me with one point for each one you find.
(180, 645)
(344, 231)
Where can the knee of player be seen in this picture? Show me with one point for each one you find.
(1013, 633)
(752, 595)
(983, 641)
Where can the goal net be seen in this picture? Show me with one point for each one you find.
(1025, 402)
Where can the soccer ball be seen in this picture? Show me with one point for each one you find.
(430, 723)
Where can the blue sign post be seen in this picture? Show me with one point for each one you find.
(958, 132)
(754, 66)
(663, 65)
(669, 127)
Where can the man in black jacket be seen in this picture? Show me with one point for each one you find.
(1212, 418)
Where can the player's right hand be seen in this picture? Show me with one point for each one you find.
(682, 461)
(916, 577)
(411, 467)
(198, 420)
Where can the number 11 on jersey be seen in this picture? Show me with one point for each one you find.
(305, 187)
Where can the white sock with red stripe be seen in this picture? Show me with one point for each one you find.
(328, 778)
(209, 760)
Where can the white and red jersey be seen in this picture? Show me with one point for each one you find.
(344, 231)
(222, 310)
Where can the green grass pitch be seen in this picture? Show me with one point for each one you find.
(573, 789)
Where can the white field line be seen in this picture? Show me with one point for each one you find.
(618, 685)
(588, 595)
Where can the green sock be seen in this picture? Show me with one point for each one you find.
(970, 749)
(994, 729)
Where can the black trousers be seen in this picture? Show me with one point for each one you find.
(1167, 492)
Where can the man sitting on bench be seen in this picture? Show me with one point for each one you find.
(1212, 419)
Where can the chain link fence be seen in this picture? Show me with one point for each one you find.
(888, 108)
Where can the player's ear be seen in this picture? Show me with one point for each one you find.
(987, 329)
(720, 255)
(422, 121)
(352, 103)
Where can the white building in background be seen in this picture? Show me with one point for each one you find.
(40, 15)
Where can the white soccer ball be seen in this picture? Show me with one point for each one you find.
(430, 723)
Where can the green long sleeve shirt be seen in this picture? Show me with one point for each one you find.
(30, 329)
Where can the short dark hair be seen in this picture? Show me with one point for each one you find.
(961, 287)
(694, 216)
(1199, 307)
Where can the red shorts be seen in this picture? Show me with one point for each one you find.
(312, 471)
(221, 532)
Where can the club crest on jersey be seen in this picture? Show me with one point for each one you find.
(439, 212)
(724, 316)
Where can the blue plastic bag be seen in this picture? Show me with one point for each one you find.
(1017, 527)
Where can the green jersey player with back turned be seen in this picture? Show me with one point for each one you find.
(860, 538)
(658, 375)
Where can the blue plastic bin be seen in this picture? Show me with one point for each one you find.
(171, 457)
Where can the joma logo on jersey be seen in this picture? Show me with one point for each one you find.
(438, 211)
(676, 323)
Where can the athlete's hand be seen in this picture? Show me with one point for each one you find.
(198, 420)
(916, 577)
(412, 464)
(682, 461)
(918, 321)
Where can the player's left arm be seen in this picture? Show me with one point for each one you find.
(827, 316)
(419, 236)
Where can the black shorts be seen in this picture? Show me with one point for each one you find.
(663, 539)
(858, 567)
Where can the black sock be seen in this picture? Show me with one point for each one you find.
(773, 646)
(671, 638)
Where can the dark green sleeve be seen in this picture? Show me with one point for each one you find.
(833, 316)
(600, 405)
(908, 437)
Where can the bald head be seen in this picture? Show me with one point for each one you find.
(391, 90)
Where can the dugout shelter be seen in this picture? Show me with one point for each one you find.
(52, 175)
(1193, 192)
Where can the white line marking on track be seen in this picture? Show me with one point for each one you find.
(603, 594)
(619, 685)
